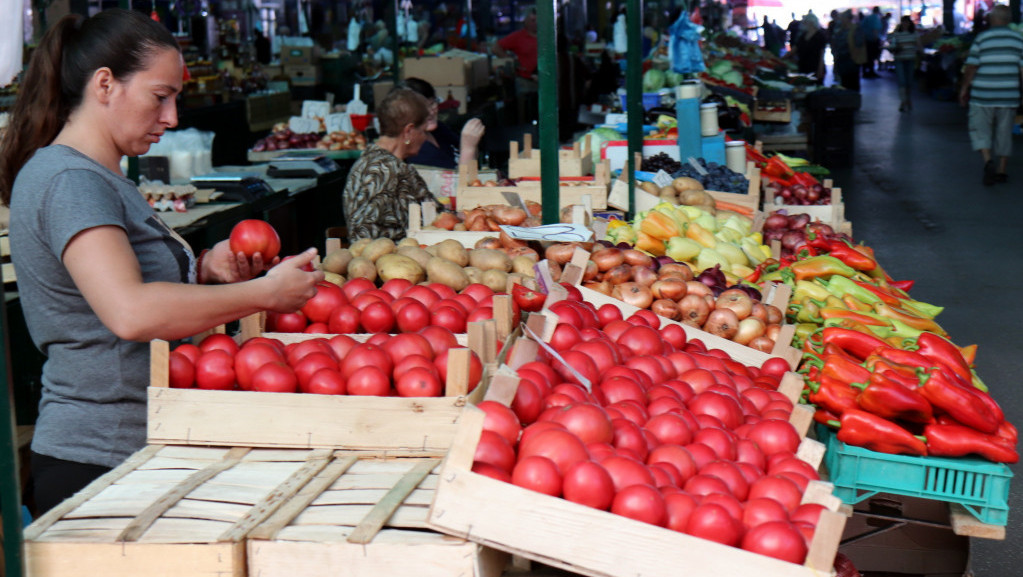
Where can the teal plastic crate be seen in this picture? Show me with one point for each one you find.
(980, 486)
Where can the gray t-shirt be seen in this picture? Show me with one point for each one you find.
(93, 407)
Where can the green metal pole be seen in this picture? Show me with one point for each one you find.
(10, 488)
(634, 89)
(547, 68)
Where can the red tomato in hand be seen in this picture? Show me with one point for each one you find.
(588, 483)
(182, 371)
(419, 382)
(538, 474)
(215, 371)
(642, 503)
(275, 377)
(251, 236)
(286, 322)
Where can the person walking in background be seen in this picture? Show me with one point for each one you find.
(793, 31)
(991, 87)
(809, 48)
(847, 70)
(774, 37)
(523, 44)
(904, 44)
(871, 28)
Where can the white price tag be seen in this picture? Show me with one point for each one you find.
(315, 109)
(563, 232)
(300, 125)
(616, 118)
(338, 122)
(619, 195)
(662, 179)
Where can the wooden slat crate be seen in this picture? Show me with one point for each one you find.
(168, 511)
(419, 215)
(473, 196)
(365, 517)
(584, 540)
(403, 425)
(832, 214)
(575, 162)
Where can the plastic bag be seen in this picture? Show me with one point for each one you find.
(684, 49)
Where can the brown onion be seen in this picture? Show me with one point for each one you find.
(669, 288)
(560, 252)
(619, 274)
(666, 308)
(635, 257)
(762, 344)
(774, 315)
(509, 215)
(759, 311)
(677, 268)
(555, 270)
(607, 258)
(603, 287)
(737, 301)
(694, 309)
(772, 332)
(591, 271)
(509, 242)
(523, 251)
(634, 294)
(643, 275)
(749, 329)
(488, 242)
(695, 287)
(723, 323)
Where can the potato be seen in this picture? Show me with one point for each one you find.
(337, 261)
(649, 187)
(417, 254)
(475, 275)
(488, 258)
(446, 273)
(668, 193)
(695, 197)
(523, 265)
(334, 278)
(362, 267)
(684, 183)
(399, 266)
(408, 241)
(359, 246)
(454, 251)
(379, 248)
(496, 280)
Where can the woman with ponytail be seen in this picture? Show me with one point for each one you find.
(99, 274)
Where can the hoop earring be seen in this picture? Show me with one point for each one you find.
(408, 142)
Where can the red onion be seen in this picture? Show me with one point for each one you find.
(791, 238)
(798, 221)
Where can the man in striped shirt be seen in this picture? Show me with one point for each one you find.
(991, 84)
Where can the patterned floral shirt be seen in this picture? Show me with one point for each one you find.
(379, 189)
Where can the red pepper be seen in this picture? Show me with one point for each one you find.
(959, 441)
(944, 353)
(856, 343)
(961, 403)
(885, 296)
(824, 417)
(903, 285)
(897, 373)
(1007, 431)
(886, 398)
(850, 256)
(777, 167)
(843, 369)
(904, 357)
(755, 155)
(863, 429)
(834, 396)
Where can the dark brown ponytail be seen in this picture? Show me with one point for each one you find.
(61, 67)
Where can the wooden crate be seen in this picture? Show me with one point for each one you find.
(833, 214)
(168, 511)
(420, 215)
(473, 196)
(777, 296)
(365, 517)
(772, 111)
(577, 161)
(417, 425)
(584, 540)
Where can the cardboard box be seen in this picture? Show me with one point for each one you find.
(303, 75)
(380, 90)
(298, 56)
(448, 70)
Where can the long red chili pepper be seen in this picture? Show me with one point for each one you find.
(961, 403)
(886, 398)
(959, 441)
(863, 429)
(850, 256)
(856, 343)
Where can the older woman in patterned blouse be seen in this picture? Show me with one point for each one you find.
(381, 185)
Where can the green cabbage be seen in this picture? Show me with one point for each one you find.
(673, 78)
(653, 80)
(598, 136)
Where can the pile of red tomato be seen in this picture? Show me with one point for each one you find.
(397, 306)
(665, 432)
(405, 365)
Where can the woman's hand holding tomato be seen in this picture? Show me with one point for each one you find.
(221, 266)
(290, 286)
